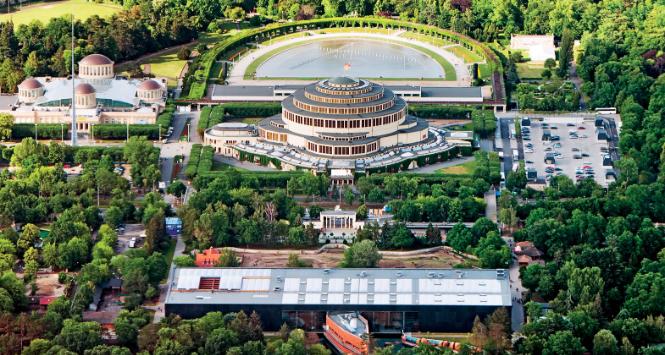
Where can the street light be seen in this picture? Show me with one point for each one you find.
(62, 133)
(188, 131)
(127, 140)
(92, 131)
(159, 137)
(35, 132)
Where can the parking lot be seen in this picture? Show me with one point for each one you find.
(572, 143)
(127, 233)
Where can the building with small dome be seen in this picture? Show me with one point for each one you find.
(338, 124)
(100, 97)
(96, 66)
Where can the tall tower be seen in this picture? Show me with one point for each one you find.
(73, 91)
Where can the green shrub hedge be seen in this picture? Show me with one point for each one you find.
(252, 109)
(166, 117)
(484, 122)
(205, 160)
(440, 111)
(119, 131)
(44, 131)
(203, 120)
(193, 163)
(217, 115)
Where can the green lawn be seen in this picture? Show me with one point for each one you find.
(44, 11)
(467, 55)
(530, 70)
(425, 38)
(166, 65)
(462, 169)
(448, 68)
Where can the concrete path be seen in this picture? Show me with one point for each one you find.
(490, 202)
(434, 167)
(236, 75)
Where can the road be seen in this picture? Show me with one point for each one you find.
(490, 202)
(575, 79)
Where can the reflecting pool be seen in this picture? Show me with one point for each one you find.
(353, 57)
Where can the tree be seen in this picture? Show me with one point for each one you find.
(459, 237)
(78, 336)
(228, 258)
(550, 63)
(363, 254)
(294, 261)
(433, 235)
(220, 340)
(29, 236)
(565, 53)
(362, 212)
(113, 216)
(6, 124)
(604, 343)
(184, 53)
(177, 189)
(563, 343)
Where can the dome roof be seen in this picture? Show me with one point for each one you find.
(96, 59)
(149, 85)
(30, 83)
(342, 80)
(84, 89)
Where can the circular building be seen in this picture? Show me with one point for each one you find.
(343, 117)
(150, 91)
(96, 66)
(29, 90)
(86, 96)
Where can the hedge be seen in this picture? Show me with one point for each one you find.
(203, 120)
(193, 164)
(166, 117)
(205, 160)
(217, 115)
(202, 67)
(257, 179)
(440, 111)
(78, 155)
(119, 131)
(484, 122)
(252, 109)
(44, 131)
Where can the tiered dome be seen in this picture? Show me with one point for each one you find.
(341, 116)
(85, 95)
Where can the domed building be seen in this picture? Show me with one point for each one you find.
(341, 124)
(85, 96)
(96, 66)
(150, 91)
(99, 97)
(30, 90)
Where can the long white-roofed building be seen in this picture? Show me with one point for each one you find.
(340, 123)
(100, 97)
(392, 300)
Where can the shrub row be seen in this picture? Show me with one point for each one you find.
(253, 179)
(484, 122)
(78, 155)
(440, 111)
(166, 117)
(252, 109)
(205, 160)
(193, 164)
(119, 131)
(44, 131)
(204, 118)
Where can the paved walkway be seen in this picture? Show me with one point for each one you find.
(236, 75)
(242, 164)
(490, 202)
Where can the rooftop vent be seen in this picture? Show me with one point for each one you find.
(431, 274)
(399, 274)
(277, 289)
(326, 271)
(363, 274)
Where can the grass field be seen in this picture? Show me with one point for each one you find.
(448, 68)
(467, 55)
(44, 11)
(530, 70)
(462, 169)
(166, 65)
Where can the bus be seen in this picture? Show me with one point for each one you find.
(606, 110)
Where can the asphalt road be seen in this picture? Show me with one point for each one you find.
(505, 143)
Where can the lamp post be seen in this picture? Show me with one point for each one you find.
(159, 137)
(62, 133)
(92, 132)
(127, 140)
(188, 131)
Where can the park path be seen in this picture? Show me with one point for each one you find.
(237, 73)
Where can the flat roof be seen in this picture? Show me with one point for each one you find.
(6, 101)
(266, 90)
(308, 286)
